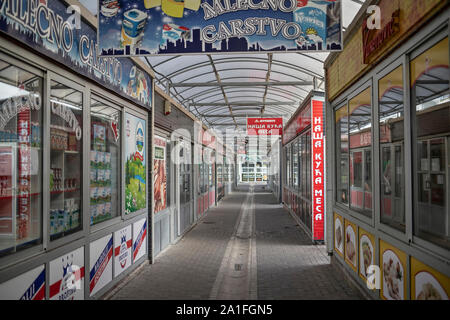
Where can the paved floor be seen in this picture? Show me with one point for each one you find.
(282, 262)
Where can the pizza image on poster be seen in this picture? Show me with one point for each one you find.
(427, 283)
(393, 272)
(338, 235)
(351, 242)
(366, 252)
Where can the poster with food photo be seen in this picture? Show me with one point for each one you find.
(351, 242)
(427, 283)
(393, 272)
(366, 252)
(159, 170)
(338, 235)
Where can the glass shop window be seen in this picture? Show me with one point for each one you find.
(392, 158)
(430, 96)
(20, 159)
(66, 132)
(341, 118)
(288, 166)
(360, 138)
(105, 160)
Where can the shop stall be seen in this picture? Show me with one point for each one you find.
(388, 105)
(74, 178)
(303, 172)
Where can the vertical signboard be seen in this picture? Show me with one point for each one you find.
(28, 286)
(100, 261)
(135, 166)
(160, 172)
(318, 174)
(67, 276)
(122, 250)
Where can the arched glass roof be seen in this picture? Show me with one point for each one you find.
(196, 81)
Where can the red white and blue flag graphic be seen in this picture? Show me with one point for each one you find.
(139, 240)
(100, 265)
(36, 291)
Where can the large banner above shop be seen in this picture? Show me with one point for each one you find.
(264, 126)
(48, 27)
(150, 27)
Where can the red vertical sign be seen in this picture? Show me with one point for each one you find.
(24, 194)
(318, 176)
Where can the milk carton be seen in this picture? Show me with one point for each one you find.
(133, 25)
(312, 18)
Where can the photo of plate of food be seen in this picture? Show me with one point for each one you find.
(338, 235)
(393, 276)
(428, 288)
(366, 254)
(350, 245)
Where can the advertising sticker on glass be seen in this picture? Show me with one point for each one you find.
(135, 166)
(159, 169)
(148, 27)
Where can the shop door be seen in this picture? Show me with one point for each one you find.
(185, 187)
(432, 185)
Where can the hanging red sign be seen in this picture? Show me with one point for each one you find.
(264, 126)
(318, 174)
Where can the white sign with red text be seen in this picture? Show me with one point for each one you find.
(122, 250)
(28, 286)
(67, 276)
(100, 262)
(139, 239)
(318, 173)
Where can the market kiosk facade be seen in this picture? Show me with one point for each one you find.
(74, 153)
(388, 162)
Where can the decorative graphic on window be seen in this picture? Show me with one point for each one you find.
(135, 166)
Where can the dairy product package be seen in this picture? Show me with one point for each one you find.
(109, 8)
(93, 175)
(134, 22)
(61, 221)
(93, 158)
(192, 4)
(107, 158)
(107, 175)
(101, 209)
(173, 8)
(107, 208)
(312, 18)
(152, 3)
(173, 32)
(94, 195)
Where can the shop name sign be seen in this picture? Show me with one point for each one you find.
(48, 27)
(13, 106)
(374, 39)
(318, 174)
(148, 27)
(264, 126)
(64, 111)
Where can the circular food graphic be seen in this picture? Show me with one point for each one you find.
(393, 276)
(350, 245)
(366, 254)
(338, 243)
(428, 288)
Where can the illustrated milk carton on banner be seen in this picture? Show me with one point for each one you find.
(311, 15)
(133, 25)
